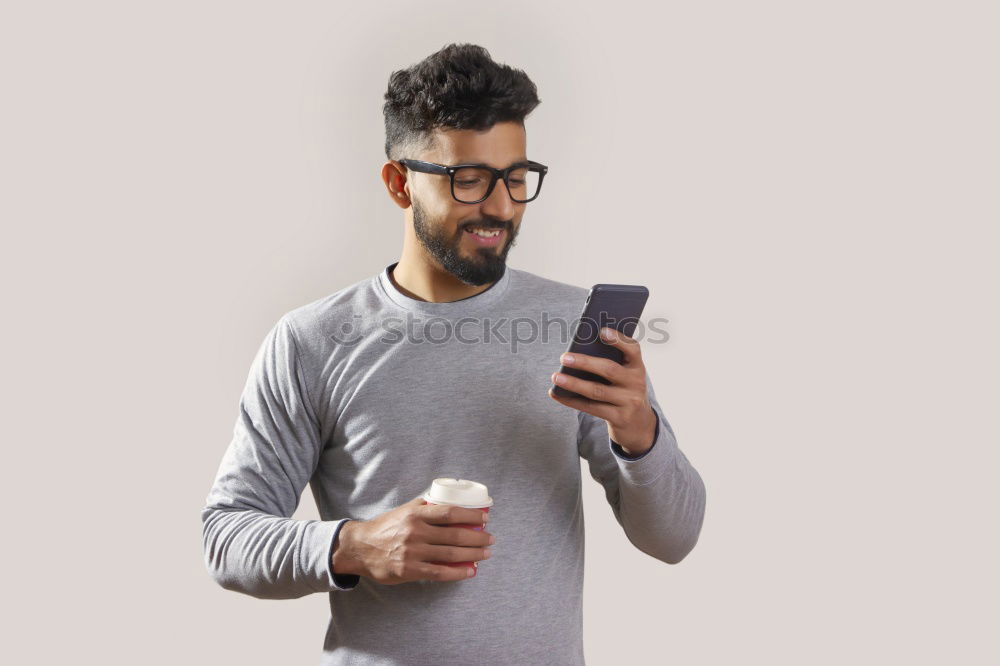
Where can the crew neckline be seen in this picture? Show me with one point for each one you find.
(483, 298)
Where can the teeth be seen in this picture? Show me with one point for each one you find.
(486, 234)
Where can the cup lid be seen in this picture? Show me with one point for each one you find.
(459, 492)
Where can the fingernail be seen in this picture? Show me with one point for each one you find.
(560, 379)
(567, 358)
(488, 553)
(607, 334)
(486, 517)
(493, 540)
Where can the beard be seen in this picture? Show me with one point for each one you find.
(486, 265)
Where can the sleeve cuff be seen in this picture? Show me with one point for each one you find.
(324, 540)
(646, 468)
(620, 452)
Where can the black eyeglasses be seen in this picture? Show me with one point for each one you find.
(473, 183)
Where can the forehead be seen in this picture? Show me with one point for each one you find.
(499, 146)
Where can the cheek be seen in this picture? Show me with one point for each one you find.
(446, 212)
(454, 220)
(442, 216)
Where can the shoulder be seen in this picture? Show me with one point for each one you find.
(313, 323)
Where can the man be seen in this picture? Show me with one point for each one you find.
(372, 392)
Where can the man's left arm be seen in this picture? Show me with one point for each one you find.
(657, 496)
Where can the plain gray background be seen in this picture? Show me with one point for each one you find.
(808, 189)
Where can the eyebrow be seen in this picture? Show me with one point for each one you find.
(520, 160)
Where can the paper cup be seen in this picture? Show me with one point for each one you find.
(463, 493)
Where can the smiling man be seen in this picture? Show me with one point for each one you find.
(463, 236)
(441, 365)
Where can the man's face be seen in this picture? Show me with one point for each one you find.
(444, 226)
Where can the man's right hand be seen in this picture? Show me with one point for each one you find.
(399, 545)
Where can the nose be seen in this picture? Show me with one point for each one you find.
(499, 205)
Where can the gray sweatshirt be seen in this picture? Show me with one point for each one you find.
(367, 395)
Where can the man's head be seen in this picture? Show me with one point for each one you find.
(457, 106)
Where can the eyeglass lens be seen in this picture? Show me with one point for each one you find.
(471, 183)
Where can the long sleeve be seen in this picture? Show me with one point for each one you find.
(251, 544)
(657, 497)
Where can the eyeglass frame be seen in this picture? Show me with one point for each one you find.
(496, 174)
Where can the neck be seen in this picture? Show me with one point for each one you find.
(422, 279)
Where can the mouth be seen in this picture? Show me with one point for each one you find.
(484, 237)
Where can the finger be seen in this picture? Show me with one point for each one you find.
(457, 536)
(629, 346)
(433, 554)
(598, 409)
(440, 572)
(605, 367)
(446, 514)
(613, 395)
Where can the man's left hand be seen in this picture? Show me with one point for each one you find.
(624, 404)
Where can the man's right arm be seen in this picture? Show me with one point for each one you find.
(251, 543)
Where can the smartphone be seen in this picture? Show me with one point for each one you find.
(616, 306)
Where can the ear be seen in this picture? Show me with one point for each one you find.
(394, 176)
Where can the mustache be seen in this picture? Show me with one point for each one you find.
(489, 226)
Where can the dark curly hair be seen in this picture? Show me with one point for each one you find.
(459, 87)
